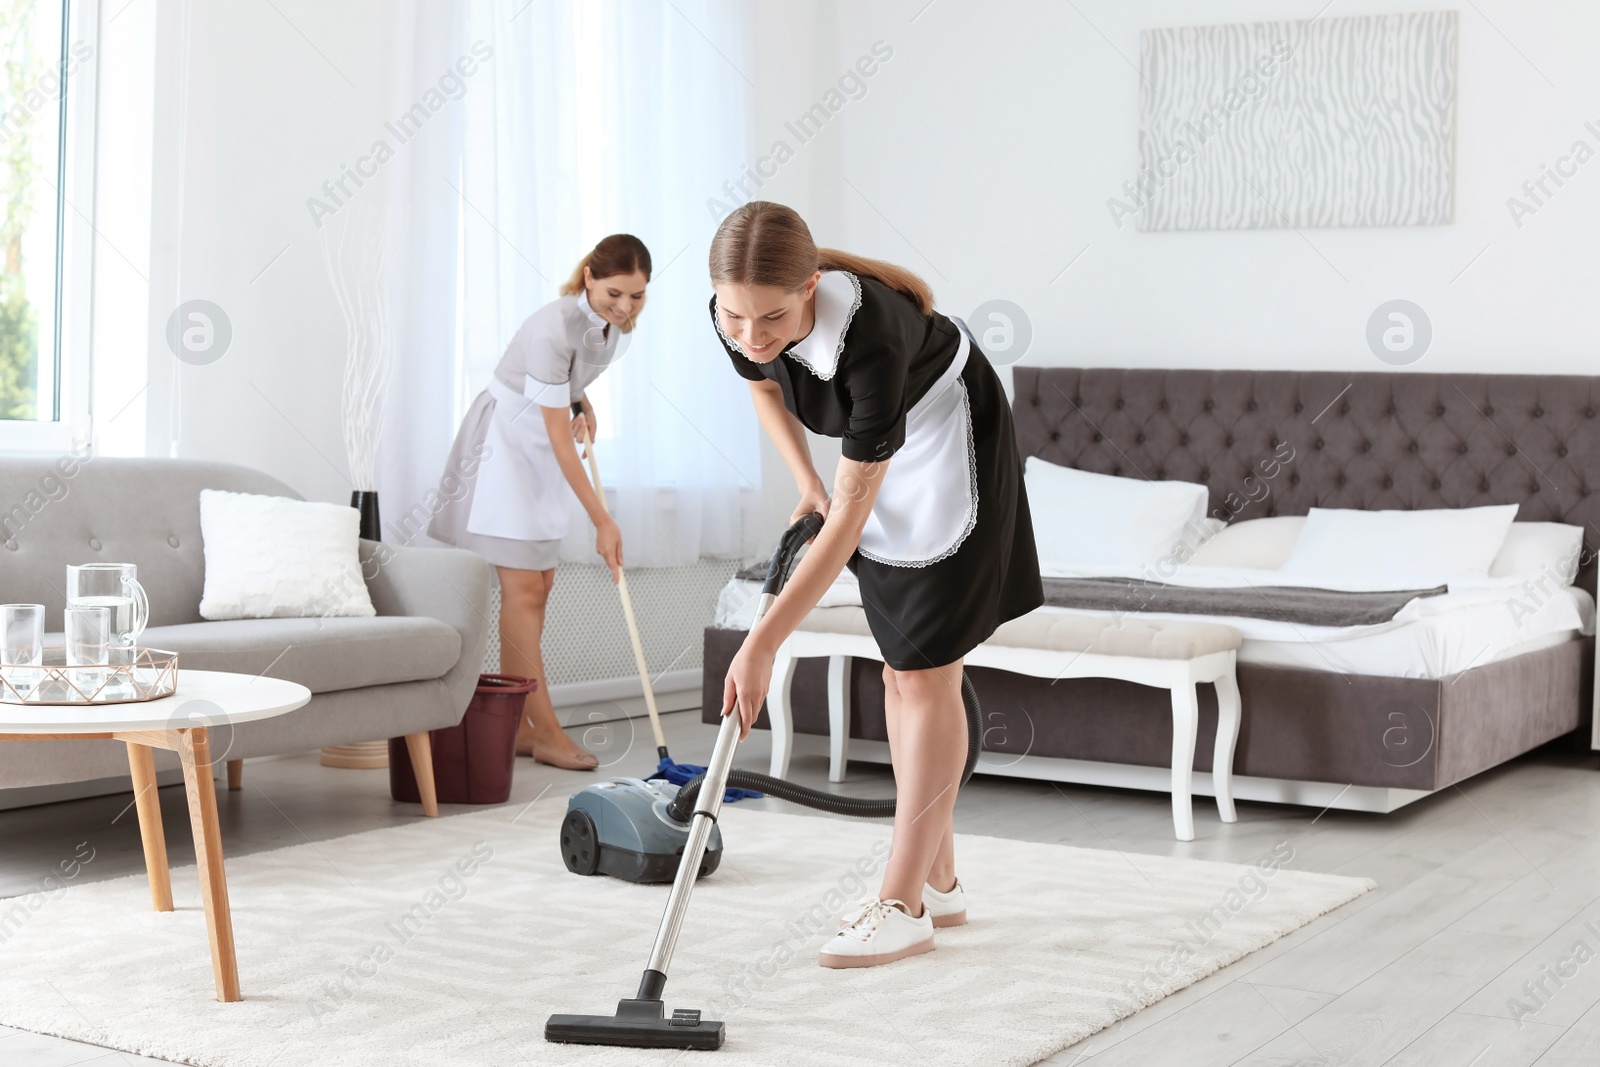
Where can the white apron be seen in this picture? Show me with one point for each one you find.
(520, 493)
(928, 502)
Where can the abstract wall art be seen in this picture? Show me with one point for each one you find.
(1326, 122)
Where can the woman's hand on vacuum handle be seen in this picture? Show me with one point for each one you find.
(608, 543)
(812, 498)
(745, 689)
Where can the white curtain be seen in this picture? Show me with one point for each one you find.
(422, 219)
(594, 117)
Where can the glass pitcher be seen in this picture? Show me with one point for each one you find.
(114, 586)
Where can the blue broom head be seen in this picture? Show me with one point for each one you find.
(681, 774)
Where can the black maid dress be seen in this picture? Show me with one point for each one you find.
(947, 554)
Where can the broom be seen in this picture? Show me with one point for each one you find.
(676, 773)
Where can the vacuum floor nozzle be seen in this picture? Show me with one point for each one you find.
(637, 1024)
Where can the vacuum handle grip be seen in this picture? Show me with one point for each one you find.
(789, 545)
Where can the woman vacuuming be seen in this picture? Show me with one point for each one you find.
(519, 437)
(927, 509)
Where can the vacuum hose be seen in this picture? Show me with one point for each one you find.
(682, 806)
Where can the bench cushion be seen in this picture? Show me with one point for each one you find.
(1060, 631)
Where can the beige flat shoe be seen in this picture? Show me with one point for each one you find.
(579, 760)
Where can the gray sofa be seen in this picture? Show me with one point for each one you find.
(411, 668)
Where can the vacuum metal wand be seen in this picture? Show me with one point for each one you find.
(639, 1021)
(706, 808)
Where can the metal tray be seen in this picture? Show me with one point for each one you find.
(147, 674)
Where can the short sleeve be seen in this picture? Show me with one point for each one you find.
(743, 364)
(875, 382)
(546, 364)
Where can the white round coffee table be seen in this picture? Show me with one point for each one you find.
(180, 723)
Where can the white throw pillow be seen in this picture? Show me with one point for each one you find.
(1425, 546)
(1252, 543)
(1082, 519)
(1535, 548)
(270, 557)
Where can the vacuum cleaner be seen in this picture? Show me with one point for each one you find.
(636, 829)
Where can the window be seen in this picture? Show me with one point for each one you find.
(32, 165)
(48, 49)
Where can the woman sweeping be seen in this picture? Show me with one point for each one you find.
(520, 436)
(927, 509)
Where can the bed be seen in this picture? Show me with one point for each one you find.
(1366, 719)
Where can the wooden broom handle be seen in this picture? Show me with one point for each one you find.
(627, 601)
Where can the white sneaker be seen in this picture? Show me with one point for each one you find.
(947, 909)
(878, 932)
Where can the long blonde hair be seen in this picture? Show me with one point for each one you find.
(621, 253)
(762, 243)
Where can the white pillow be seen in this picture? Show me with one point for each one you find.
(1535, 548)
(1429, 545)
(1082, 519)
(1252, 543)
(270, 557)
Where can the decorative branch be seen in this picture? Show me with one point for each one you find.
(356, 252)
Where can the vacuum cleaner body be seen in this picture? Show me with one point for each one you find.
(622, 827)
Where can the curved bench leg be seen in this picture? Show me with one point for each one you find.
(1185, 724)
(838, 716)
(1228, 711)
(778, 716)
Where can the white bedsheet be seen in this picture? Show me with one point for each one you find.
(1431, 637)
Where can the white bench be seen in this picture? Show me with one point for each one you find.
(1046, 644)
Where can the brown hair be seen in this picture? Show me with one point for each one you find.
(621, 253)
(762, 243)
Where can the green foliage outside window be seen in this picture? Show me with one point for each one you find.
(19, 318)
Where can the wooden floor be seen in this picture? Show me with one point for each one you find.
(1481, 890)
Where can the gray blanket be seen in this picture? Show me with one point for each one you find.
(1308, 607)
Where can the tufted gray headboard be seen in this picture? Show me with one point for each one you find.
(1281, 442)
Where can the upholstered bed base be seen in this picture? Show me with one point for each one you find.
(1307, 736)
(1279, 443)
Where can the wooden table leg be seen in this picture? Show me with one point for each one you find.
(420, 749)
(194, 749)
(142, 762)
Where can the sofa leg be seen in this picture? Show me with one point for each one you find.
(421, 752)
(235, 775)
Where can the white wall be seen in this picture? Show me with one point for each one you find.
(276, 103)
(987, 148)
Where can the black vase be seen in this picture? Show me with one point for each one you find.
(366, 502)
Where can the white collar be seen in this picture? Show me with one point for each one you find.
(837, 297)
(590, 313)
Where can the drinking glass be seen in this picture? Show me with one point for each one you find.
(22, 644)
(88, 640)
(113, 586)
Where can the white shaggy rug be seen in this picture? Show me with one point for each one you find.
(450, 941)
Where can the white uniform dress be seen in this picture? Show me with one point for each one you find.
(505, 495)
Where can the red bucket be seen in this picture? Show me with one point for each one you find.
(472, 762)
